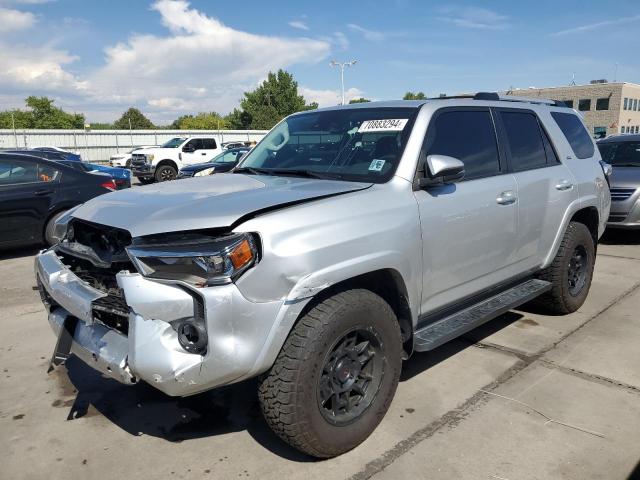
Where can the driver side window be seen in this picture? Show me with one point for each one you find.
(467, 135)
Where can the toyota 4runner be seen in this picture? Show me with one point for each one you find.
(346, 240)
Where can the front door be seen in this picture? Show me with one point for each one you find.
(469, 228)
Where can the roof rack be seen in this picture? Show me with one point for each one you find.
(494, 96)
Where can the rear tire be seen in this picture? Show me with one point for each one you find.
(336, 374)
(165, 173)
(48, 231)
(570, 273)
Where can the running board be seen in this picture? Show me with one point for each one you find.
(454, 325)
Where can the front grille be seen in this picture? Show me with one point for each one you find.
(138, 160)
(108, 247)
(621, 194)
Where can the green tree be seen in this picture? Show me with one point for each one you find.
(359, 100)
(265, 106)
(41, 113)
(16, 118)
(414, 96)
(201, 121)
(138, 120)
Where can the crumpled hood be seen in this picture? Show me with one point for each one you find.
(203, 202)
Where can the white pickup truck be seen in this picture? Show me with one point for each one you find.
(163, 163)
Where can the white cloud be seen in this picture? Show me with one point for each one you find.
(14, 20)
(37, 69)
(340, 40)
(203, 65)
(473, 17)
(371, 35)
(299, 25)
(595, 26)
(328, 98)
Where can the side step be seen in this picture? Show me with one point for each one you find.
(453, 326)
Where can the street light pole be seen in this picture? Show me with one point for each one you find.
(342, 66)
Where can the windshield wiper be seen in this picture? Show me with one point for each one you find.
(305, 173)
(253, 171)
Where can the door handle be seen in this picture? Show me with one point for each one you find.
(507, 197)
(203, 153)
(43, 191)
(564, 185)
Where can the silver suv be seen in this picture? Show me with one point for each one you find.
(348, 238)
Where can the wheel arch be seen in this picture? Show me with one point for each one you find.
(590, 218)
(388, 284)
(167, 161)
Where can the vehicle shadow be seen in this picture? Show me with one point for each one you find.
(620, 237)
(143, 410)
(19, 252)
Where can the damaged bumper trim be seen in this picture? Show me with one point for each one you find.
(69, 291)
(101, 348)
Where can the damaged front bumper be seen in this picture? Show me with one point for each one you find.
(238, 330)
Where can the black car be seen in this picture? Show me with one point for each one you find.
(224, 162)
(35, 192)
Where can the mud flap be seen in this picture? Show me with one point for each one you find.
(62, 349)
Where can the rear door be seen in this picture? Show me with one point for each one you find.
(545, 187)
(27, 191)
(468, 228)
(210, 148)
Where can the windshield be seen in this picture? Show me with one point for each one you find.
(174, 143)
(359, 144)
(622, 154)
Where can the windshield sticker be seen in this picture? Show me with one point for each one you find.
(376, 165)
(388, 125)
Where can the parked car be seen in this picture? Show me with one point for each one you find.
(220, 164)
(35, 192)
(66, 154)
(622, 152)
(163, 163)
(348, 239)
(123, 160)
(121, 176)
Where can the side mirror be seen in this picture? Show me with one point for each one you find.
(442, 169)
(188, 149)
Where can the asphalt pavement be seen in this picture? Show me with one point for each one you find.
(526, 396)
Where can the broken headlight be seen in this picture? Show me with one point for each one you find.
(200, 261)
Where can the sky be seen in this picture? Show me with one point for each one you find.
(173, 57)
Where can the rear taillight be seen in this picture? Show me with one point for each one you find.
(109, 185)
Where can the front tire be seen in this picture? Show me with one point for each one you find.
(336, 374)
(164, 173)
(570, 273)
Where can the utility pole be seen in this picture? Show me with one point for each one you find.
(13, 124)
(342, 66)
(130, 132)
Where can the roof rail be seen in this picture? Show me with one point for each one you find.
(494, 96)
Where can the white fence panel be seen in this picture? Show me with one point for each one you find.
(99, 145)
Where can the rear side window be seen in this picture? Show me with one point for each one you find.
(209, 144)
(16, 172)
(467, 135)
(622, 154)
(524, 140)
(575, 133)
